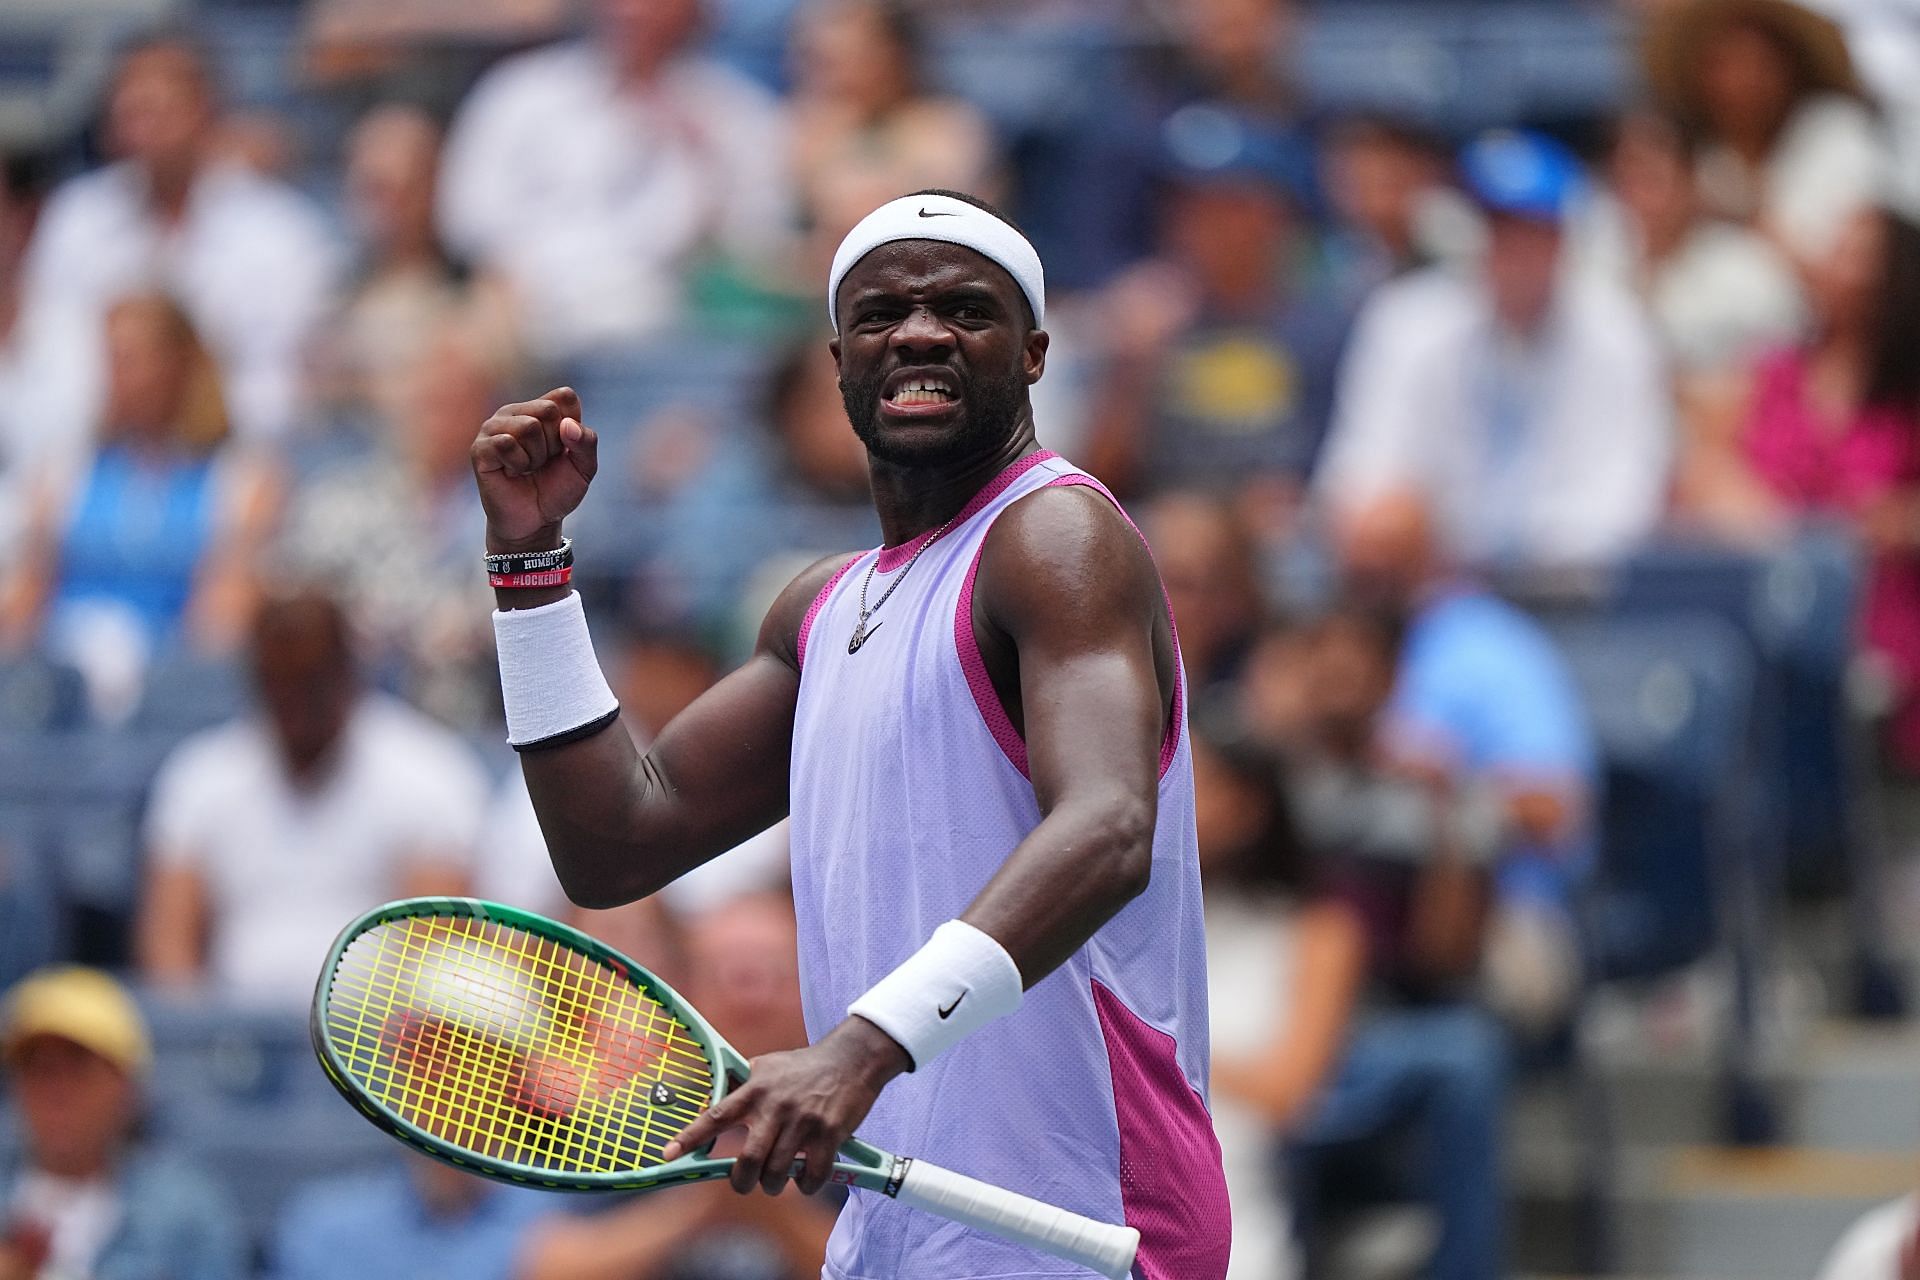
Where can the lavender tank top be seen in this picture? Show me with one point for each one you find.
(909, 790)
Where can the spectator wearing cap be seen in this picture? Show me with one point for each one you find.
(83, 1199)
(649, 161)
(1220, 353)
(1790, 148)
(249, 257)
(1527, 402)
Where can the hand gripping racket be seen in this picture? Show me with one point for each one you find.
(519, 1048)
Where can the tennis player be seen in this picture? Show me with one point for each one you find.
(978, 732)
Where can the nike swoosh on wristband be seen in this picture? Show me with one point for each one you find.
(925, 214)
(948, 1011)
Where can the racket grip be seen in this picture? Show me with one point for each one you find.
(1106, 1248)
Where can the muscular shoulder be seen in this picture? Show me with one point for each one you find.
(1065, 552)
(780, 630)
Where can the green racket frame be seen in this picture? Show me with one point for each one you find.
(865, 1166)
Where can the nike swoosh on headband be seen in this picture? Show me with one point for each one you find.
(925, 214)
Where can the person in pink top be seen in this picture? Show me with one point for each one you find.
(1831, 432)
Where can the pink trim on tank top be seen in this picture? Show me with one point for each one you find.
(1173, 1189)
(813, 610)
(892, 558)
(974, 666)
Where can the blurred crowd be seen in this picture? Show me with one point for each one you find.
(1387, 401)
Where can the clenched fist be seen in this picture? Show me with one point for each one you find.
(533, 463)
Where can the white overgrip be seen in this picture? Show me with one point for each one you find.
(1106, 1248)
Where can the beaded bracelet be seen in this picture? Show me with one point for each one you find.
(517, 562)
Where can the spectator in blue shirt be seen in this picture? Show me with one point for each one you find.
(1482, 693)
(81, 1199)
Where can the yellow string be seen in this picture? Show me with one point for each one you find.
(513, 1046)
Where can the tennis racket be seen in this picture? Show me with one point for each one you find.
(516, 1047)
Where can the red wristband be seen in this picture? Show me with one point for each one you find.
(538, 578)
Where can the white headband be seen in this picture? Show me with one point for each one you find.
(953, 221)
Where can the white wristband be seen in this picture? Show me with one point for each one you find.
(549, 679)
(957, 983)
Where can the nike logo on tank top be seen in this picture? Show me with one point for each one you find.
(910, 789)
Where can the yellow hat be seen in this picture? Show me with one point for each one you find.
(85, 1006)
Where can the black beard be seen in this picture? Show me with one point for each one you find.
(991, 410)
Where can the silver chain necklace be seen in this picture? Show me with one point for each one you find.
(861, 631)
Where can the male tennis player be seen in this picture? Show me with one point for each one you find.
(978, 731)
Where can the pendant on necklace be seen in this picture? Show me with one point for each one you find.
(860, 634)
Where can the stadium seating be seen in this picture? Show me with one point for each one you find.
(37, 693)
(82, 792)
(185, 692)
(240, 1092)
(31, 932)
(1798, 607)
(1670, 701)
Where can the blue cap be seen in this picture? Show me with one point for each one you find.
(1206, 142)
(1522, 173)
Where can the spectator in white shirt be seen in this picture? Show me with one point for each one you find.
(251, 258)
(593, 176)
(268, 834)
(1527, 402)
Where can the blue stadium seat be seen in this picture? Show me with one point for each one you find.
(31, 932)
(1798, 606)
(1466, 64)
(84, 793)
(1670, 700)
(240, 1093)
(37, 693)
(186, 691)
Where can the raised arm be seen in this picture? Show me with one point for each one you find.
(618, 823)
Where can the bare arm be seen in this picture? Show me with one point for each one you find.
(1069, 603)
(1329, 959)
(170, 937)
(226, 584)
(24, 590)
(620, 824)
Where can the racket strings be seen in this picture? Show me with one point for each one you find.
(514, 1046)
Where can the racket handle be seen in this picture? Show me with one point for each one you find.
(1106, 1248)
